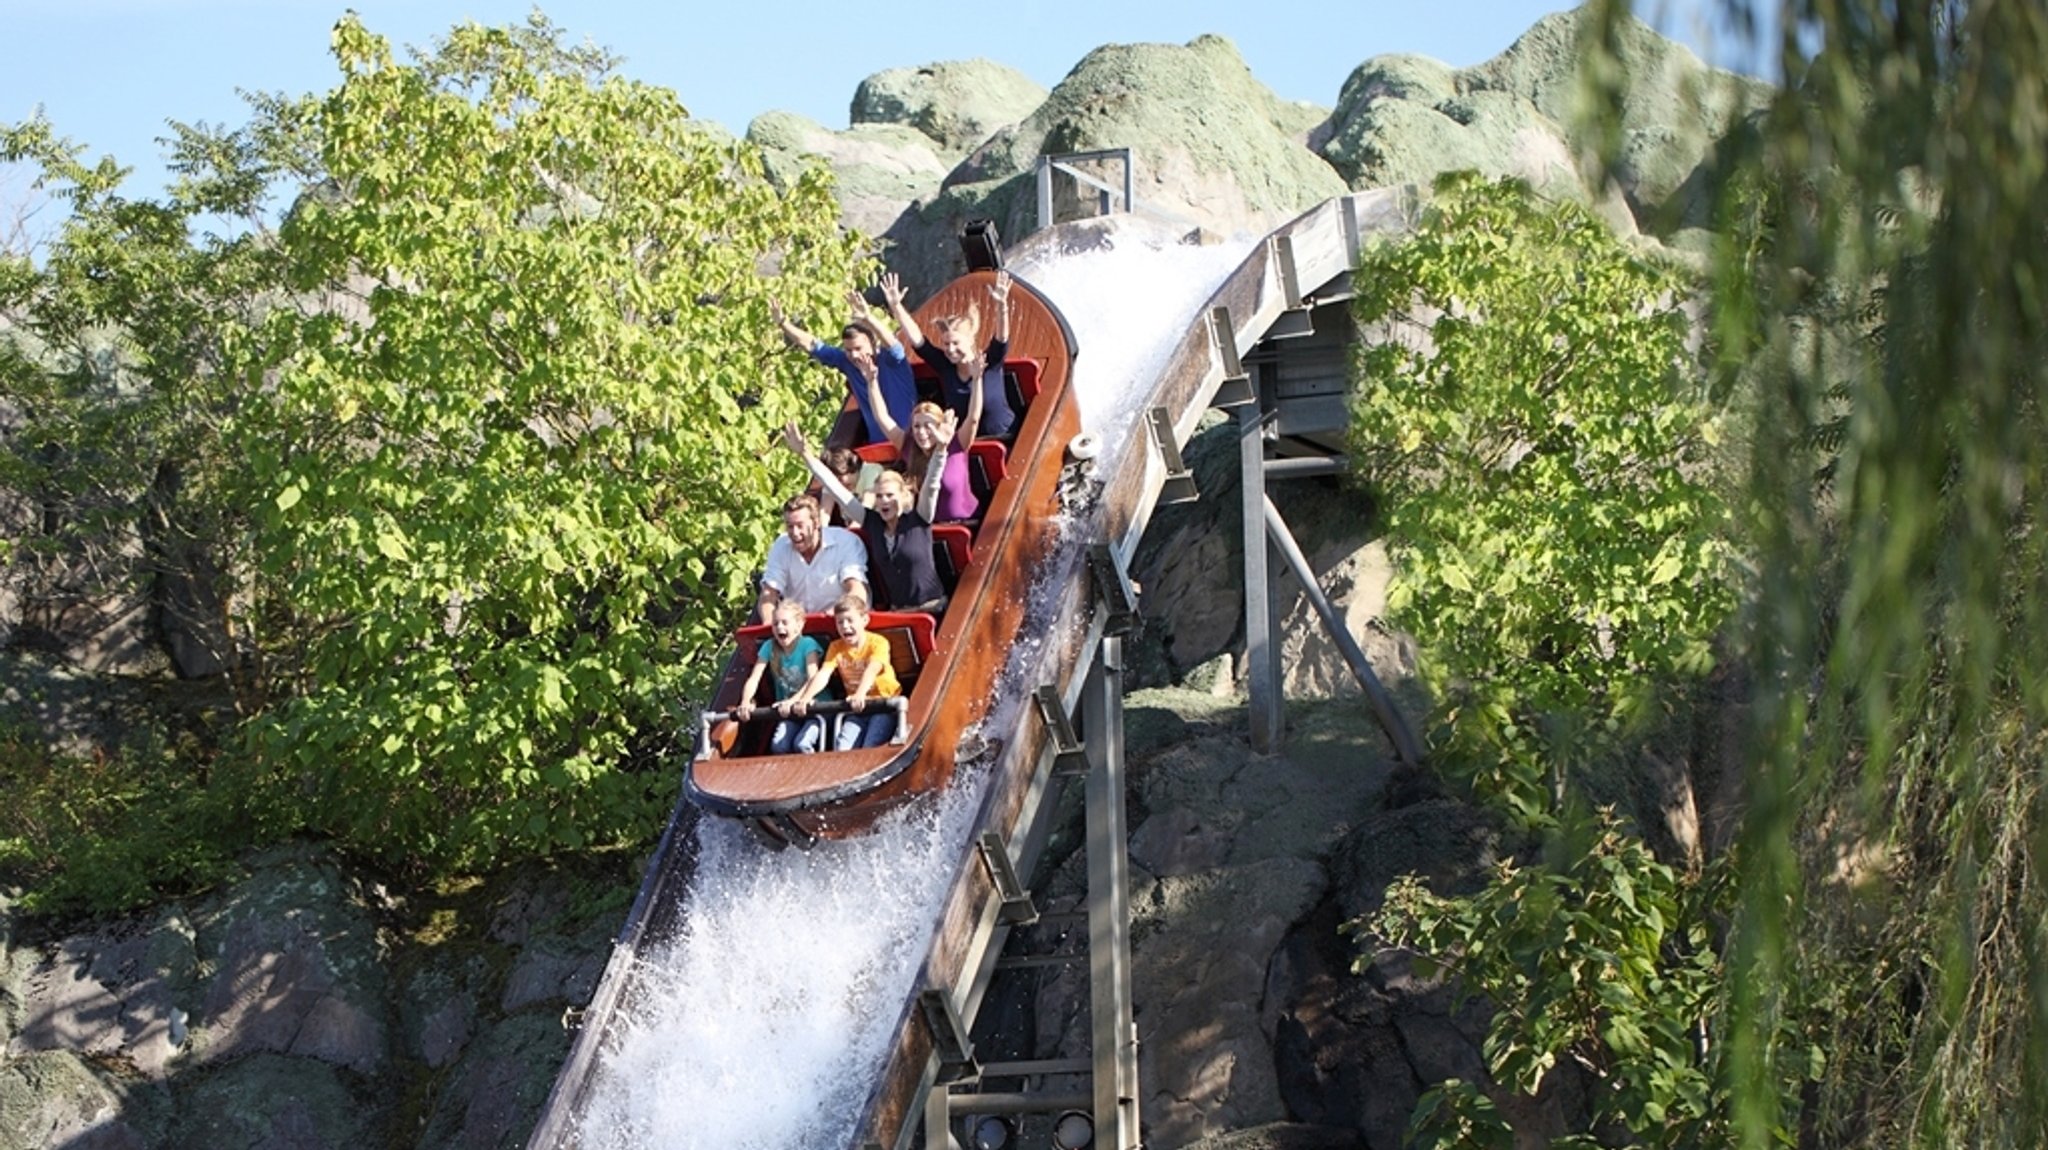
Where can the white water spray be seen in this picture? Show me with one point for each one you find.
(763, 1024)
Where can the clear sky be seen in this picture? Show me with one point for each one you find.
(110, 73)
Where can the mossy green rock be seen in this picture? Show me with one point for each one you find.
(1404, 119)
(877, 168)
(55, 1098)
(276, 1103)
(1213, 147)
(955, 105)
(291, 963)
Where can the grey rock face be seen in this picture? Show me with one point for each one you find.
(291, 965)
(272, 1102)
(493, 1095)
(120, 992)
(877, 168)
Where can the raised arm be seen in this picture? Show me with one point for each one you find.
(892, 294)
(857, 305)
(849, 504)
(1000, 292)
(793, 335)
(972, 424)
(935, 470)
(879, 407)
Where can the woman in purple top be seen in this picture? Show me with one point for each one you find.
(964, 372)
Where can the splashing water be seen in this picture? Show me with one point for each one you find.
(764, 1022)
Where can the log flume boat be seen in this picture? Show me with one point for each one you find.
(948, 666)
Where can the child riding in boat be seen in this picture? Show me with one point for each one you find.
(794, 657)
(964, 372)
(861, 659)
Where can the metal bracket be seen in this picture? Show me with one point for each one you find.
(949, 1038)
(1236, 389)
(1294, 322)
(1290, 280)
(1180, 483)
(1113, 587)
(1017, 908)
(1069, 756)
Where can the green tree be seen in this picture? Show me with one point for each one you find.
(483, 427)
(1895, 844)
(1602, 960)
(1547, 470)
(1528, 405)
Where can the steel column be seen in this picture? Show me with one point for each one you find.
(1406, 746)
(1262, 653)
(1114, 1042)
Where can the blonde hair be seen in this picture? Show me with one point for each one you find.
(968, 322)
(790, 607)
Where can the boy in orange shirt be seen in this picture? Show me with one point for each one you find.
(862, 660)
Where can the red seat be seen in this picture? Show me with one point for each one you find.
(988, 461)
(1022, 376)
(952, 550)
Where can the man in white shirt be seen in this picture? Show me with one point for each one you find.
(812, 563)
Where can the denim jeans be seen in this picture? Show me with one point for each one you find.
(797, 735)
(869, 728)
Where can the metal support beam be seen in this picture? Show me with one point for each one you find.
(1044, 192)
(1406, 746)
(1114, 592)
(938, 1115)
(1262, 651)
(950, 1043)
(1290, 279)
(1113, 1038)
(1236, 388)
(1070, 757)
(1180, 483)
(1017, 908)
(1302, 467)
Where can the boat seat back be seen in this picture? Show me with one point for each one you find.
(988, 461)
(1020, 381)
(952, 550)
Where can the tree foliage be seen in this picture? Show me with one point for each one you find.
(1603, 962)
(474, 433)
(1528, 405)
(1546, 464)
(1892, 852)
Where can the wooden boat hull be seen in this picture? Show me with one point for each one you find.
(835, 794)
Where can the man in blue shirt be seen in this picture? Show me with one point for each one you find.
(871, 359)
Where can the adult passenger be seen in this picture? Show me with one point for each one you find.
(901, 567)
(963, 370)
(811, 563)
(870, 358)
(935, 432)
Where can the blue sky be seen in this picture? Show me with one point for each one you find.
(110, 73)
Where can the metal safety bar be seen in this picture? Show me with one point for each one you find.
(897, 703)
